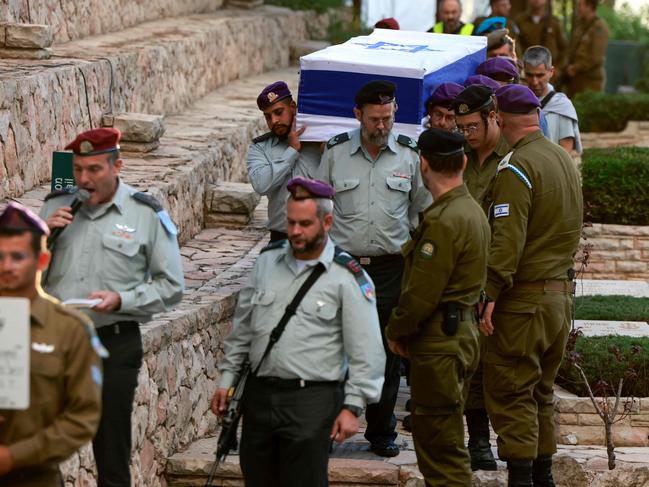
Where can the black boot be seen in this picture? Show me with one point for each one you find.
(542, 471)
(520, 473)
(477, 423)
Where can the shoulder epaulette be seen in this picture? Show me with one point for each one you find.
(505, 164)
(338, 139)
(151, 202)
(277, 244)
(348, 262)
(61, 192)
(98, 347)
(408, 142)
(262, 137)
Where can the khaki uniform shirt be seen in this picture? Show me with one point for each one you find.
(536, 216)
(65, 388)
(272, 163)
(377, 202)
(478, 179)
(446, 261)
(120, 246)
(587, 52)
(335, 330)
(547, 32)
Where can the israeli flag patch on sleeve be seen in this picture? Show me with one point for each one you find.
(501, 210)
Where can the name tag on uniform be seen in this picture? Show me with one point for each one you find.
(14, 353)
(501, 210)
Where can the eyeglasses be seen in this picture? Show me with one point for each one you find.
(471, 128)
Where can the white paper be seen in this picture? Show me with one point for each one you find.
(82, 303)
(14, 353)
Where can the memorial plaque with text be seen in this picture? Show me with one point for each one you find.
(14, 353)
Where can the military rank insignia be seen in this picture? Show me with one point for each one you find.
(427, 249)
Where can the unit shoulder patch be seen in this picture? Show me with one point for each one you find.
(262, 137)
(61, 192)
(277, 244)
(348, 262)
(427, 249)
(501, 210)
(408, 142)
(163, 216)
(338, 139)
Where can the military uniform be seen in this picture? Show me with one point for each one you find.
(289, 409)
(271, 164)
(587, 53)
(377, 203)
(478, 178)
(545, 31)
(450, 244)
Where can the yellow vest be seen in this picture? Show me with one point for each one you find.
(466, 30)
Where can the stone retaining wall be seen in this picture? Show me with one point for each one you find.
(579, 424)
(635, 134)
(617, 252)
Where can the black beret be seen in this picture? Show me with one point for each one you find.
(439, 142)
(376, 92)
(472, 99)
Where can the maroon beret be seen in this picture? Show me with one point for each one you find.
(443, 95)
(95, 141)
(479, 79)
(389, 23)
(516, 99)
(498, 68)
(302, 188)
(18, 217)
(273, 93)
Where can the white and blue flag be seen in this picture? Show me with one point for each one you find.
(417, 62)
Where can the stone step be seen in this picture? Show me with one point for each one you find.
(156, 68)
(204, 144)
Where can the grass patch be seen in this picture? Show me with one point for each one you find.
(611, 308)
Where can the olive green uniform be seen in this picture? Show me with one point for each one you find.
(444, 262)
(65, 396)
(478, 180)
(547, 32)
(536, 222)
(587, 52)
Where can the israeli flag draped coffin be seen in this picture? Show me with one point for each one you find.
(416, 62)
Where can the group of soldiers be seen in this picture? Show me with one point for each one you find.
(420, 246)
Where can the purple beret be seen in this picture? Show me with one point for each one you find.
(498, 68)
(302, 188)
(443, 95)
(273, 93)
(516, 99)
(18, 217)
(479, 79)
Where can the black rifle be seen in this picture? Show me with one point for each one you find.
(228, 437)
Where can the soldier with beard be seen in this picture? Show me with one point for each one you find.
(278, 155)
(326, 365)
(379, 195)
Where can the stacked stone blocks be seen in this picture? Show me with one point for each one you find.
(617, 252)
(25, 41)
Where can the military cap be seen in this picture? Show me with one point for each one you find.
(273, 93)
(489, 25)
(472, 99)
(95, 141)
(303, 188)
(18, 217)
(439, 142)
(498, 38)
(443, 95)
(389, 23)
(376, 92)
(516, 99)
(498, 68)
(479, 79)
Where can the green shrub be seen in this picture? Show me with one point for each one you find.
(317, 5)
(616, 185)
(608, 359)
(611, 308)
(604, 112)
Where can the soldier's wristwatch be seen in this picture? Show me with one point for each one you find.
(355, 410)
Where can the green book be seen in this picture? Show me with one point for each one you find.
(62, 176)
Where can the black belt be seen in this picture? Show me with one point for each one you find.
(117, 328)
(378, 259)
(279, 383)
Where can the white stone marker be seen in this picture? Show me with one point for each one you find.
(589, 287)
(14, 353)
(596, 328)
